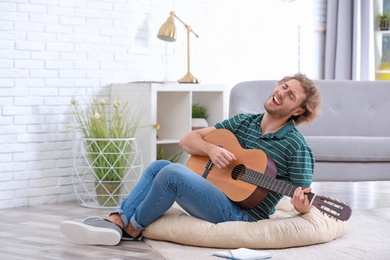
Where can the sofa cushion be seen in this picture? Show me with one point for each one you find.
(286, 228)
(350, 148)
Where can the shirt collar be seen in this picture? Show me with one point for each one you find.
(280, 133)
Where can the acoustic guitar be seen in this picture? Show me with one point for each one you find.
(249, 178)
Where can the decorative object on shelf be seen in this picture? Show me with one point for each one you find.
(384, 21)
(199, 117)
(167, 33)
(385, 67)
(108, 162)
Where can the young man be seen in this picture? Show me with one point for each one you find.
(295, 100)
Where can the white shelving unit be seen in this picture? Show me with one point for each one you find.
(169, 105)
(379, 72)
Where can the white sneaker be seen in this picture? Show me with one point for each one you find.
(94, 233)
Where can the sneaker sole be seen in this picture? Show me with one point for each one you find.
(89, 235)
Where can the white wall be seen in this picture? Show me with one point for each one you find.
(51, 50)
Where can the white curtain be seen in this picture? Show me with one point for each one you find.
(349, 45)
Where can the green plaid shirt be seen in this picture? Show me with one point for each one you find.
(287, 147)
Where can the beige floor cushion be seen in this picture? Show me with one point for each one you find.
(286, 228)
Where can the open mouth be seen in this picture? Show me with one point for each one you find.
(276, 100)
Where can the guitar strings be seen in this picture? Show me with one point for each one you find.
(241, 172)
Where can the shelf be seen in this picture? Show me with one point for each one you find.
(169, 105)
(167, 141)
(381, 42)
(386, 32)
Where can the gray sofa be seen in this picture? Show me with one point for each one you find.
(351, 138)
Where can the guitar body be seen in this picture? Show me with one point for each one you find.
(246, 194)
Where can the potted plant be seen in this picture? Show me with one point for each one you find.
(108, 152)
(384, 21)
(199, 116)
(173, 158)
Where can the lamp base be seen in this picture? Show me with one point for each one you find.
(188, 78)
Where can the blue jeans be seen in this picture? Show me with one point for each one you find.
(162, 183)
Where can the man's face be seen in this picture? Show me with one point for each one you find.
(286, 100)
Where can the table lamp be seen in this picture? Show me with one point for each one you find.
(167, 33)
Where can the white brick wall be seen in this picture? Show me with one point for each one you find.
(51, 50)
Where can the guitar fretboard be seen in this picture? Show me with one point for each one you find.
(269, 183)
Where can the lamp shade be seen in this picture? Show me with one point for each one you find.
(167, 31)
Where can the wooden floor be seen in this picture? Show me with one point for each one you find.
(33, 232)
(358, 195)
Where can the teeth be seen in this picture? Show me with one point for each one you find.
(276, 100)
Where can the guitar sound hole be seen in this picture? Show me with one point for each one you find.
(238, 171)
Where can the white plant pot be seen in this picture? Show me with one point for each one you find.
(198, 123)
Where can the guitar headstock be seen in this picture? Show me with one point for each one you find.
(332, 208)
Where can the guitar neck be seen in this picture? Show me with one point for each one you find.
(270, 183)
